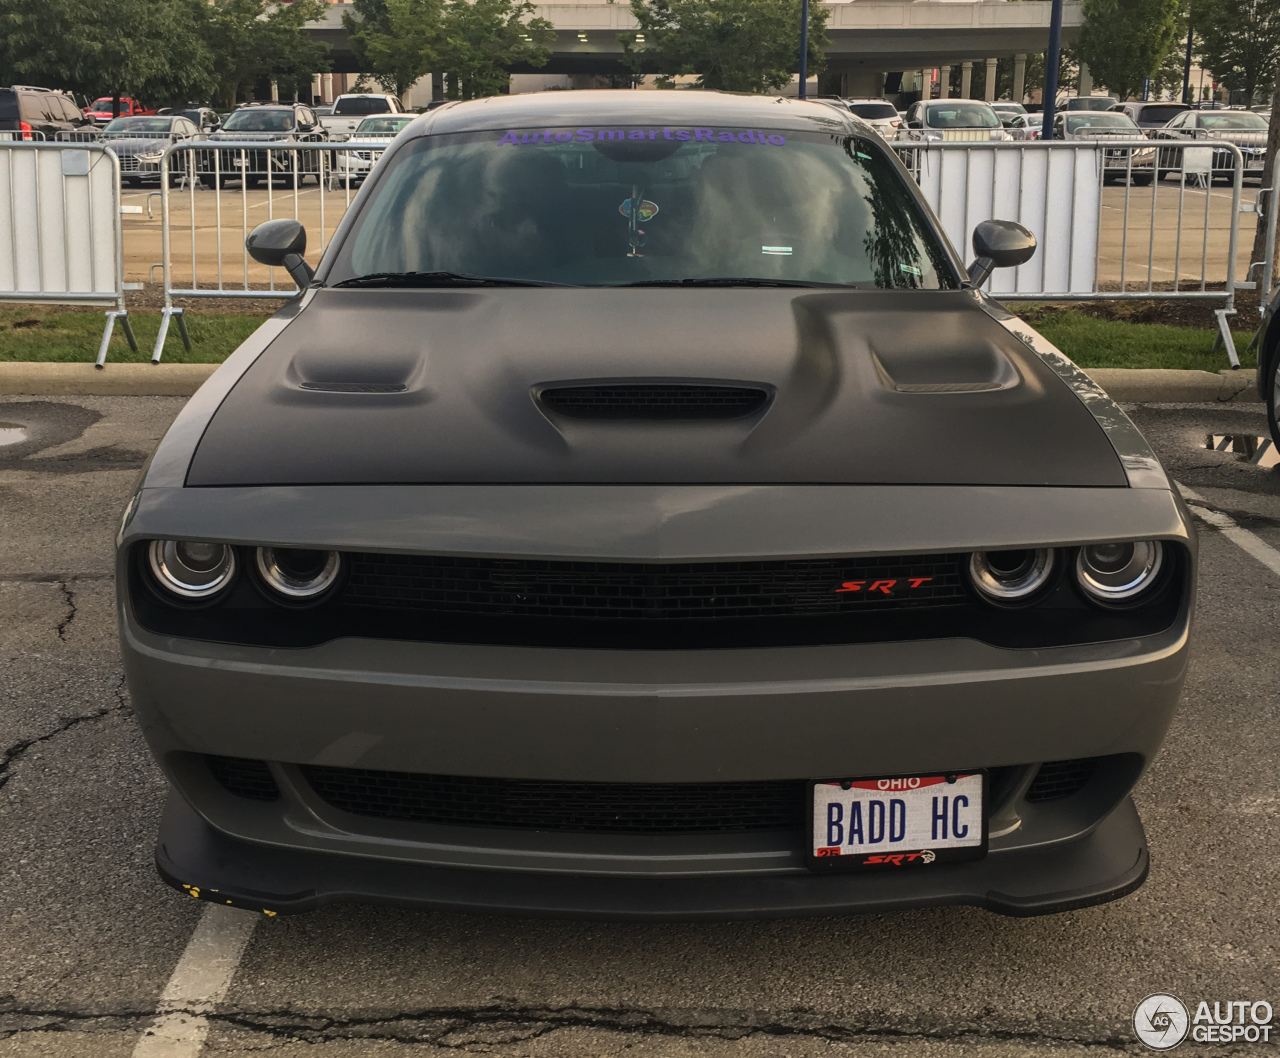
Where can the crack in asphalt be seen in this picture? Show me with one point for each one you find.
(70, 598)
(456, 1027)
(14, 753)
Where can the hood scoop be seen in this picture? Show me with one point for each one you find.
(653, 400)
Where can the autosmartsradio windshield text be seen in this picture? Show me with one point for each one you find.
(773, 139)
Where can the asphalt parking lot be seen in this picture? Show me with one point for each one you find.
(91, 938)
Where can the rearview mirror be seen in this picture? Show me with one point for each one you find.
(999, 244)
(281, 244)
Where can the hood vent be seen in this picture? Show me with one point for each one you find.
(654, 401)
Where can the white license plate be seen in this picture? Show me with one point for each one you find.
(1254, 163)
(902, 821)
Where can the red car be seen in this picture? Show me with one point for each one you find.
(100, 109)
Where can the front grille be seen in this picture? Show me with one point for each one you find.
(534, 804)
(654, 400)
(652, 593)
(251, 779)
(1060, 778)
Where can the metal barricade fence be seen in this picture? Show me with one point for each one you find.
(312, 182)
(60, 237)
(1109, 222)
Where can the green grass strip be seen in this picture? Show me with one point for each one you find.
(1092, 342)
(69, 336)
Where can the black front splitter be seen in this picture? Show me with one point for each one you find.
(205, 863)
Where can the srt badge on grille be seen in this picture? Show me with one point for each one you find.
(886, 587)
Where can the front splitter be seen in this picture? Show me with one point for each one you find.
(193, 857)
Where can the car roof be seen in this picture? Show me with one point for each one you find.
(606, 106)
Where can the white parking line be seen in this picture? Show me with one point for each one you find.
(1226, 525)
(199, 983)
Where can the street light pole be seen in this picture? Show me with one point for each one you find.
(1186, 70)
(1051, 60)
(804, 48)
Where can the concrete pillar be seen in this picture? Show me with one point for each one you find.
(990, 94)
(326, 88)
(1019, 78)
(1086, 81)
(861, 83)
(275, 92)
(944, 83)
(926, 85)
(966, 80)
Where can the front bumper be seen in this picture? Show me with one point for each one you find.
(193, 857)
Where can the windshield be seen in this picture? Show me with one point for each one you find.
(1009, 108)
(1237, 121)
(349, 105)
(385, 126)
(1090, 103)
(1160, 114)
(1101, 120)
(134, 126)
(874, 110)
(105, 104)
(961, 116)
(259, 121)
(610, 207)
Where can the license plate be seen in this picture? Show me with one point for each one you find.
(1254, 163)
(903, 821)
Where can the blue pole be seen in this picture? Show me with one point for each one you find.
(1051, 60)
(804, 48)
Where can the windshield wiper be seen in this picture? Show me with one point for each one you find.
(438, 279)
(744, 281)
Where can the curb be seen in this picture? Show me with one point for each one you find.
(1130, 386)
(1164, 386)
(115, 380)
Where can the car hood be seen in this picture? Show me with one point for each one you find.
(136, 146)
(436, 386)
(249, 137)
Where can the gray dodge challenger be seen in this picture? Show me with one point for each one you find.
(641, 512)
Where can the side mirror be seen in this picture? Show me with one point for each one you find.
(998, 244)
(281, 244)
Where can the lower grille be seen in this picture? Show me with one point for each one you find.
(251, 779)
(530, 804)
(618, 591)
(1060, 778)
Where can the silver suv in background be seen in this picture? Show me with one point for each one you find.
(954, 119)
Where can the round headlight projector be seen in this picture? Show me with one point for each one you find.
(1011, 577)
(193, 569)
(298, 573)
(1116, 572)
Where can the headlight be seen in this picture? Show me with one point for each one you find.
(1111, 573)
(1011, 577)
(298, 573)
(193, 569)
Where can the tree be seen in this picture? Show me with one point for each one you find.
(395, 39)
(735, 45)
(482, 39)
(150, 49)
(1239, 42)
(475, 42)
(256, 42)
(1125, 41)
